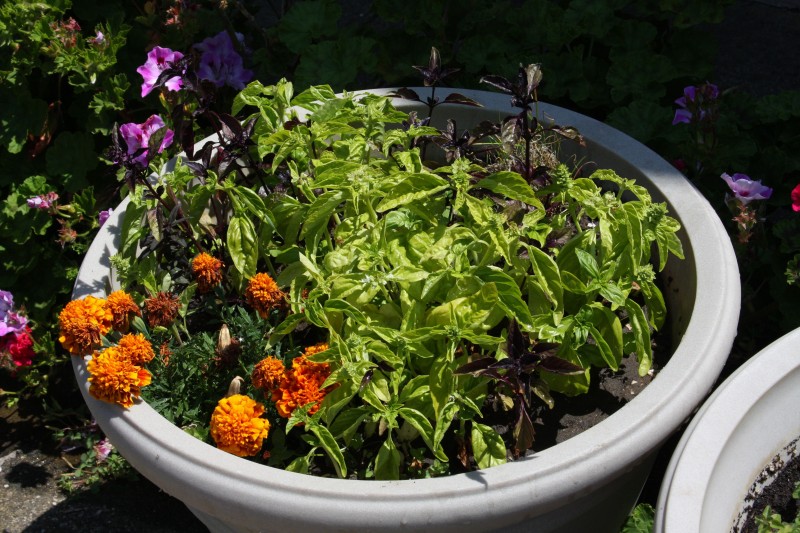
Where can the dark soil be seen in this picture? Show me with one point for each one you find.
(773, 488)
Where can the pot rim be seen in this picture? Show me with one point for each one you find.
(575, 466)
(734, 413)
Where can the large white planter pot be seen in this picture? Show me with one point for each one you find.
(748, 420)
(588, 483)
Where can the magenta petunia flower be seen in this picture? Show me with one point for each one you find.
(220, 63)
(137, 136)
(102, 216)
(19, 345)
(745, 189)
(158, 60)
(796, 198)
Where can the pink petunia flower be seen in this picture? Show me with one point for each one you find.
(158, 60)
(137, 137)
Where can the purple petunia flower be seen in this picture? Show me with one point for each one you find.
(695, 103)
(220, 63)
(158, 60)
(137, 136)
(102, 216)
(12, 323)
(6, 304)
(745, 189)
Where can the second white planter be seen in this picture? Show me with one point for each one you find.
(748, 420)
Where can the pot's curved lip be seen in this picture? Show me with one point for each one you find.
(567, 470)
(741, 415)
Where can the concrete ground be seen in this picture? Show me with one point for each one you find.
(759, 53)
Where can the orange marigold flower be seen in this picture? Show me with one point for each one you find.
(115, 379)
(83, 324)
(301, 385)
(136, 348)
(268, 373)
(123, 308)
(162, 309)
(236, 427)
(263, 294)
(207, 271)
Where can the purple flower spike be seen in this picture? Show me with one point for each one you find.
(220, 63)
(745, 189)
(158, 60)
(137, 137)
(102, 216)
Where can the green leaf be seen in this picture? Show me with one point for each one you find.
(72, 156)
(509, 292)
(640, 330)
(348, 309)
(443, 421)
(488, 447)
(330, 446)
(412, 188)
(641, 519)
(441, 382)
(511, 185)
(388, 460)
(319, 213)
(299, 465)
(308, 22)
(243, 245)
(548, 276)
(425, 429)
(348, 421)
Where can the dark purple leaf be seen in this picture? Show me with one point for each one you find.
(366, 379)
(475, 366)
(406, 93)
(524, 431)
(557, 365)
(498, 82)
(455, 98)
